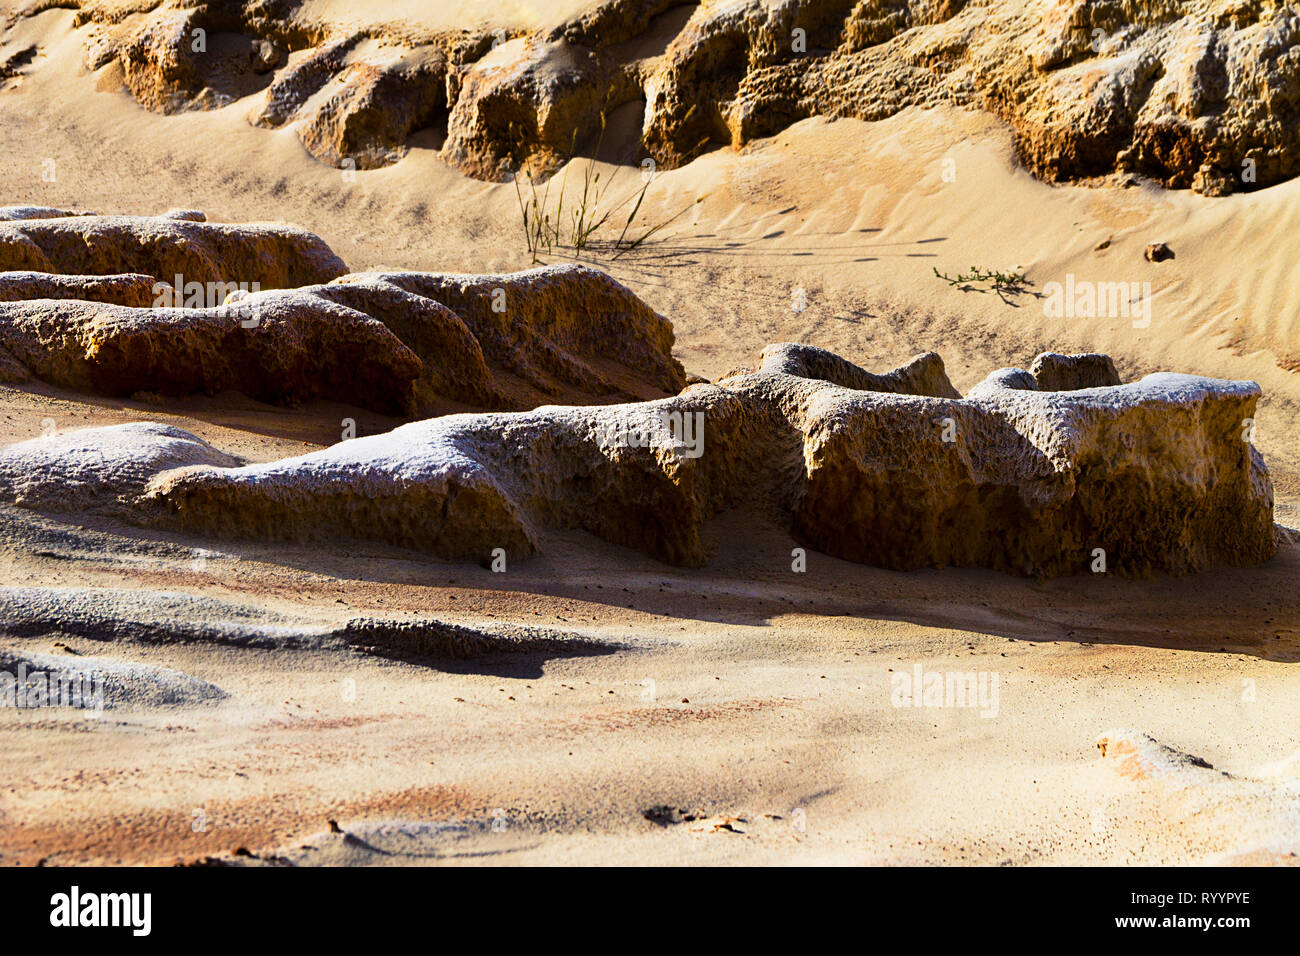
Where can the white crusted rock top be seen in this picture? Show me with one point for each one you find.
(98, 469)
(136, 291)
(1152, 475)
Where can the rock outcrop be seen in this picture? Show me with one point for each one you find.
(1054, 372)
(520, 107)
(923, 375)
(92, 684)
(403, 343)
(280, 346)
(265, 256)
(1152, 475)
(98, 470)
(566, 332)
(1202, 94)
(14, 213)
(136, 291)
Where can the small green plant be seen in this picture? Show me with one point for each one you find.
(997, 281)
(547, 231)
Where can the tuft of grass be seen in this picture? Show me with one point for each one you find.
(591, 212)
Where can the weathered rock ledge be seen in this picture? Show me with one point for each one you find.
(1202, 94)
(1154, 475)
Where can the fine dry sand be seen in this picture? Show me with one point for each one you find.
(735, 713)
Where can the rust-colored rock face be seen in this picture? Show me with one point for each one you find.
(1202, 94)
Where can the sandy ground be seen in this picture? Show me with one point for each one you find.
(746, 713)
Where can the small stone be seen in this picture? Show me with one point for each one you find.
(265, 56)
(1158, 252)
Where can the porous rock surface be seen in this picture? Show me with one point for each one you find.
(923, 375)
(566, 331)
(1202, 94)
(276, 346)
(1054, 372)
(100, 470)
(136, 291)
(1156, 474)
(273, 256)
(393, 342)
(13, 213)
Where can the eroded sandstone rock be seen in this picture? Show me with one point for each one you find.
(136, 291)
(275, 346)
(566, 332)
(13, 213)
(1152, 475)
(1203, 94)
(272, 256)
(101, 470)
(923, 375)
(1054, 372)
(520, 106)
(99, 683)
(407, 343)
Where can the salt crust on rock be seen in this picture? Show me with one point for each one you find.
(1156, 474)
(136, 291)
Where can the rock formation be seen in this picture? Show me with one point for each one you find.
(924, 375)
(100, 470)
(275, 346)
(401, 343)
(265, 256)
(1202, 94)
(566, 332)
(136, 291)
(95, 683)
(1053, 372)
(13, 213)
(1151, 475)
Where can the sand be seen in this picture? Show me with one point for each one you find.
(756, 704)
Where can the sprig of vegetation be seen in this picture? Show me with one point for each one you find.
(544, 230)
(995, 279)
